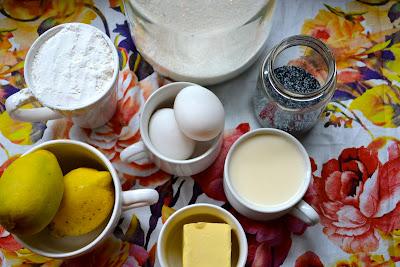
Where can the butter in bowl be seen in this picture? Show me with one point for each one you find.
(202, 235)
(207, 244)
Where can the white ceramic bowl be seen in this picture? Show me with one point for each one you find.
(70, 155)
(205, 152)
(169, 245)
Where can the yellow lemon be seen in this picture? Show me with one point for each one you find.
(87, 201)
(31, 189)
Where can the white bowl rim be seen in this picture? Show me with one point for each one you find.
(115, 212)
(238, 227)
(290, 203)
(146, 139)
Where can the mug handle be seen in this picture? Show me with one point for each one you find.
(305, 213)
(23, 97)
(138, 198)
(134, 152)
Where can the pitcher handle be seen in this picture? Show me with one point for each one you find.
(24, 96)
(304, 212)
(134, 152)
(138, 198)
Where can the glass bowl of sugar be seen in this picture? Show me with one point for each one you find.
(204, 42)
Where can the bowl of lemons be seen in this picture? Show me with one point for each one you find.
(62, 198)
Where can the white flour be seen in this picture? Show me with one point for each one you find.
(72, 68)
(202, 41)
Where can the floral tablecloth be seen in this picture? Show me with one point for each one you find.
(354, 148)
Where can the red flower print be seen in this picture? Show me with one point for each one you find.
(7, 241)
(140, 254)
(309, 259)
(269, 242)
(357, 196)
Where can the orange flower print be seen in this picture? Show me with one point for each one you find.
(26, 258)
(43, 15)
(166, 212)
(345, 38)
(348, 40)
(9, 62)
(117, 4)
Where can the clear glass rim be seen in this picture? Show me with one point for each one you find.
(300, 40)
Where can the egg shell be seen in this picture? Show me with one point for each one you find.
(166, 136)
(199, 113)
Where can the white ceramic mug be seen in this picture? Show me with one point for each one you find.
(295, 206)
(169, 244)
(205, 153)
(74, 154)
(90, 115)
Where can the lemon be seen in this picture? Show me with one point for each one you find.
(87, 201)
(31, 189)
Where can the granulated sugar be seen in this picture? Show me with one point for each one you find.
(72, 68)
(204, 42)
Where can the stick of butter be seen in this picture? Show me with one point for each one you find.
(206, 245)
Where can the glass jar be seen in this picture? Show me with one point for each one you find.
(204, 42)
(296, 81)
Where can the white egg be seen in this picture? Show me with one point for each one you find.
(199, 113)
(166, 136)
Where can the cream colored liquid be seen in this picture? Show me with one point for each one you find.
(267, 170)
